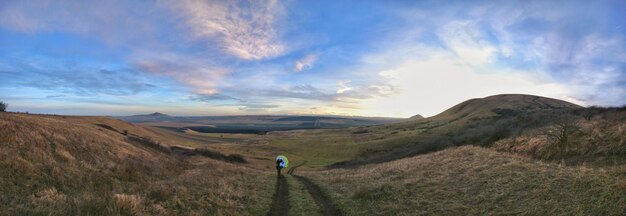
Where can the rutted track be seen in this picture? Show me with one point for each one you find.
(322, 200)
(280, 201)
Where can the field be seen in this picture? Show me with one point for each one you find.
(501, 155)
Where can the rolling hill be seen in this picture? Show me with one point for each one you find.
(505, 104)
(63, 165)
(480, 122)
(504, 154)
(472, 180)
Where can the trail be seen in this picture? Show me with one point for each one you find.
(293, 168)
(280, 201)
(321, 199)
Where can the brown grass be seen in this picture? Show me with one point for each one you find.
(74, 166)
(473, 181)
(600, 140)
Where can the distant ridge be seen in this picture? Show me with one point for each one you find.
(416, 117)
(154, 114)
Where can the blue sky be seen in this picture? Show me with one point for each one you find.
(368, 58)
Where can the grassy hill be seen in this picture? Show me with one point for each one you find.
(474, 181)
(100, 166)
(480, 122)
(505, 154)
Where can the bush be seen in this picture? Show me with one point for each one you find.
(3, 106)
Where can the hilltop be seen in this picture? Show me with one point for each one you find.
(504, 104)
(416, 117)
(156, 116)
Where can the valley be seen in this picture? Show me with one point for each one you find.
(504, 154)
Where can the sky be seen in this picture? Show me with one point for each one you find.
(357, 58)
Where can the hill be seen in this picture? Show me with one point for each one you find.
(64, 165)
(481, 122)
(474, 181)
(152, 117)
(505, 104)
(416, 117)
(539, 156)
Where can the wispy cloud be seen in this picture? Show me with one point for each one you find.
(114, 21)
(400, 59)
(305, 62)
(244, 29)
(214, 98)
(78, 79)
(200, 75)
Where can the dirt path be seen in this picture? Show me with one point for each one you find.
(293, 168)
(280, 201)
(322, 200)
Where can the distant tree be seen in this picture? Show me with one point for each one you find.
(3, 106)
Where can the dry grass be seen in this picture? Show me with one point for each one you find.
(474, 181)
(56, 165)
(599, 140)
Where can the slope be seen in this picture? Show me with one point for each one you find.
(473, 181)
(480, 122)
(100, 166)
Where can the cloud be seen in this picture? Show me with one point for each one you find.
(255, 107)
(244, 29)
(430, 86)
(569, 53)
(115, 22)
(342, 86)
(307, 92)
(305, 63)
(78, 80)
(214, 98)
(200, 75)
(467, 41)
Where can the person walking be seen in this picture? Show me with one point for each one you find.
(281, 162)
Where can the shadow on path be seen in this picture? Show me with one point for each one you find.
(322, 200)
(280, 201)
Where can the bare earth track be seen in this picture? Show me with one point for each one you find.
(280, 203)
(322, 200)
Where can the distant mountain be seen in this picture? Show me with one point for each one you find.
(416, 117)
(155, 114)
(152, 117)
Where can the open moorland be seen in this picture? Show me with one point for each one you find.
(501, 155)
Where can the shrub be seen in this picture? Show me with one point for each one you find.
(3, 106)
